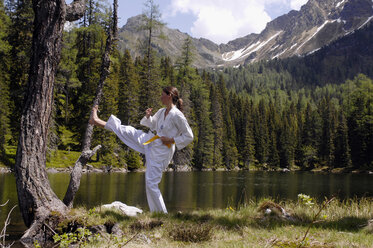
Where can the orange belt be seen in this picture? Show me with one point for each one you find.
(155, 138)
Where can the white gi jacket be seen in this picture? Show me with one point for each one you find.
(174, 126)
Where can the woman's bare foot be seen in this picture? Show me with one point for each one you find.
(94, 120)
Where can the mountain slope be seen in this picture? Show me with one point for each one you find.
(207, 53)
(317, 24)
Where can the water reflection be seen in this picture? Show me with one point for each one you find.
(193, 190)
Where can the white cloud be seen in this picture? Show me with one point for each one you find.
(296, 4)
(222, 20)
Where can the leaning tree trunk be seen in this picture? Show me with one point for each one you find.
(76, 173)
(35, 196)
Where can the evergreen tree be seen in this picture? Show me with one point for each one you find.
(185, 79)
(129, 87)
(326, 148)
(217, 124)
(359, 105)
(152, 24)
(20, 36)
(203, 141)
(90, 42)
(248, 143)
(230, 152)
(261, 134)
(309, 139)
(167, 71)
(342, 156)
(67, 83)
(4, 79)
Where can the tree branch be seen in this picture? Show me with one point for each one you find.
(6, 223)
(76, 174)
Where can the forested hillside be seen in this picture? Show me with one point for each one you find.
(305, 113)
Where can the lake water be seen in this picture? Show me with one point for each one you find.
(183, 191)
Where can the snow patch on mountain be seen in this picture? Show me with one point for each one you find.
(279, 54)
(370, 18)
(340, 3)
(233, 55)
(313, 35)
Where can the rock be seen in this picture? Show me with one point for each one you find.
(5, 170)
(52, 170)
(127, 210)
(116, 230)
(98, 229)
(182, 168)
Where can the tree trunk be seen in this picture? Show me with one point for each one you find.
(76, 173)
(35, 196)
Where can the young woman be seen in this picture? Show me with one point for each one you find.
(172, 130)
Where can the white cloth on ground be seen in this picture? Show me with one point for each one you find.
(125, 209)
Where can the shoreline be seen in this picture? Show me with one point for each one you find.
(109, 169)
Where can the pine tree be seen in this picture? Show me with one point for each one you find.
(217, 124)
(20, 36)
(203, 141)
(359, 115)
(309, 138)
(230, 152)
(248, 143)
(150, 77)
(261, 134)
(167, 71)
(67, 83)
(326, 148)
(186, 77)
(342, 156)
(4, 78)
(129, 87)
(90, 43)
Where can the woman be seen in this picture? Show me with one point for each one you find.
(172, 129)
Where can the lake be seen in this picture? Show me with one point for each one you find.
(183, 191)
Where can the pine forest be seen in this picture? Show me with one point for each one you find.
(302, 113)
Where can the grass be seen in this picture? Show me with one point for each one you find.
(339, 224)
(57, 159)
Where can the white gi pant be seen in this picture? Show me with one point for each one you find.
(134, 139)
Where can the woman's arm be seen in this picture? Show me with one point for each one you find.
(150, 121)
(186, 134)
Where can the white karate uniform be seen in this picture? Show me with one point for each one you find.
(157, 155)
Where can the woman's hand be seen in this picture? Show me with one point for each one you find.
(148, 112)
(167, 141)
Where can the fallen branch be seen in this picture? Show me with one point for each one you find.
(6, 223)
(314, 220)
(134, 236)
(2, 205)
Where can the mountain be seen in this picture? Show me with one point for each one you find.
(207, 53)
(316, 24)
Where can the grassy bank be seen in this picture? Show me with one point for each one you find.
(56, 159)
(338, 224)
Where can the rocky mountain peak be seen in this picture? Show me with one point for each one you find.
(316, 24)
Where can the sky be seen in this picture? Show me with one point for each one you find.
(217, 20)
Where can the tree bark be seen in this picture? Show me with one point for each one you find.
(76, 173)
(35, 196)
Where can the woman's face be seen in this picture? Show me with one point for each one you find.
(165, 99)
